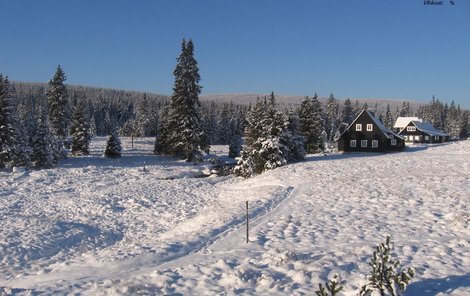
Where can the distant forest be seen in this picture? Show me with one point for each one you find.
(136, 113)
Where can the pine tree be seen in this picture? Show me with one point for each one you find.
(292, 139)
(465, 125)
(331, 118)
(388, 119)
(453, 121)
(271, 140)
(347, 112)
(13, 147)
(311, 124)
(79, 129)
(163, 133)
(58, 104)
(186, 137)
(113, 146)
(43, 143)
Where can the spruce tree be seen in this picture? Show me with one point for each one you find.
(79, 129)
(185, 137)
(388, 119)
(311, 124)
(292, 139)
(271, 140)
(43, 144)
(58, 104)
(331, 118)
(465, 125)
(163, 133)
(13, 147)
(113, 146)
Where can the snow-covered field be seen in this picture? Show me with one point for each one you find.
(97, 226)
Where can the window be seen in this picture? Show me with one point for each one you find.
(352, 143)
(363, 143)
(370, 127)
(411, 128)
(426, 138)
(417, 138)
(375, 143)
(359, 127)
(436, 138)
(393, 142)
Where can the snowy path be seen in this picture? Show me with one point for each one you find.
(111, 229)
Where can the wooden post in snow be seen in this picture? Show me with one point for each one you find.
(247, 220)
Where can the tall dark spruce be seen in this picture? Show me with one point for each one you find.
(59, 110)
(311, 124)
(13, 148)
(80, 130)
(43, 143)
(182, 132)
(58, 104)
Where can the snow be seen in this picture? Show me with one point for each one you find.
(99, 226)
(428, 128)
(402, 122)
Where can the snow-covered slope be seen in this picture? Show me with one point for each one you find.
(107, 226)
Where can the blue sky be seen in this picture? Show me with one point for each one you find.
(399, 49)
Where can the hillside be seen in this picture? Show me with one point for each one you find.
(99, 226)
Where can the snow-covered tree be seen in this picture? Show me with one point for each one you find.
(271, 140)
(465, 125)
(185, 136)
(388, 118)
(163, 132)
(43, 144)
(58, 104)
(292, 139)
(113, 146)
(332, 118)
(311, 124)
(79, 129)
(453, 121)
(13, 145)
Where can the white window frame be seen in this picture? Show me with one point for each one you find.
(364, 143)
(358, 127)
(352, 143)
(375, 144)
(370, 127)
(411, 128)
(393, 142)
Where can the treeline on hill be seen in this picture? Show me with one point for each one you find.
(137, 114)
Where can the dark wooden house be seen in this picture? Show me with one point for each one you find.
(417, 131)
(367, 134)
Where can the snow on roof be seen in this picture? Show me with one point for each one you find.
(428, 128)
(402, 122)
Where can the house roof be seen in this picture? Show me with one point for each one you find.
(428, 128)
(387, 132)
(402, 122)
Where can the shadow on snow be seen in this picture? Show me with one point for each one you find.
(428, 287)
